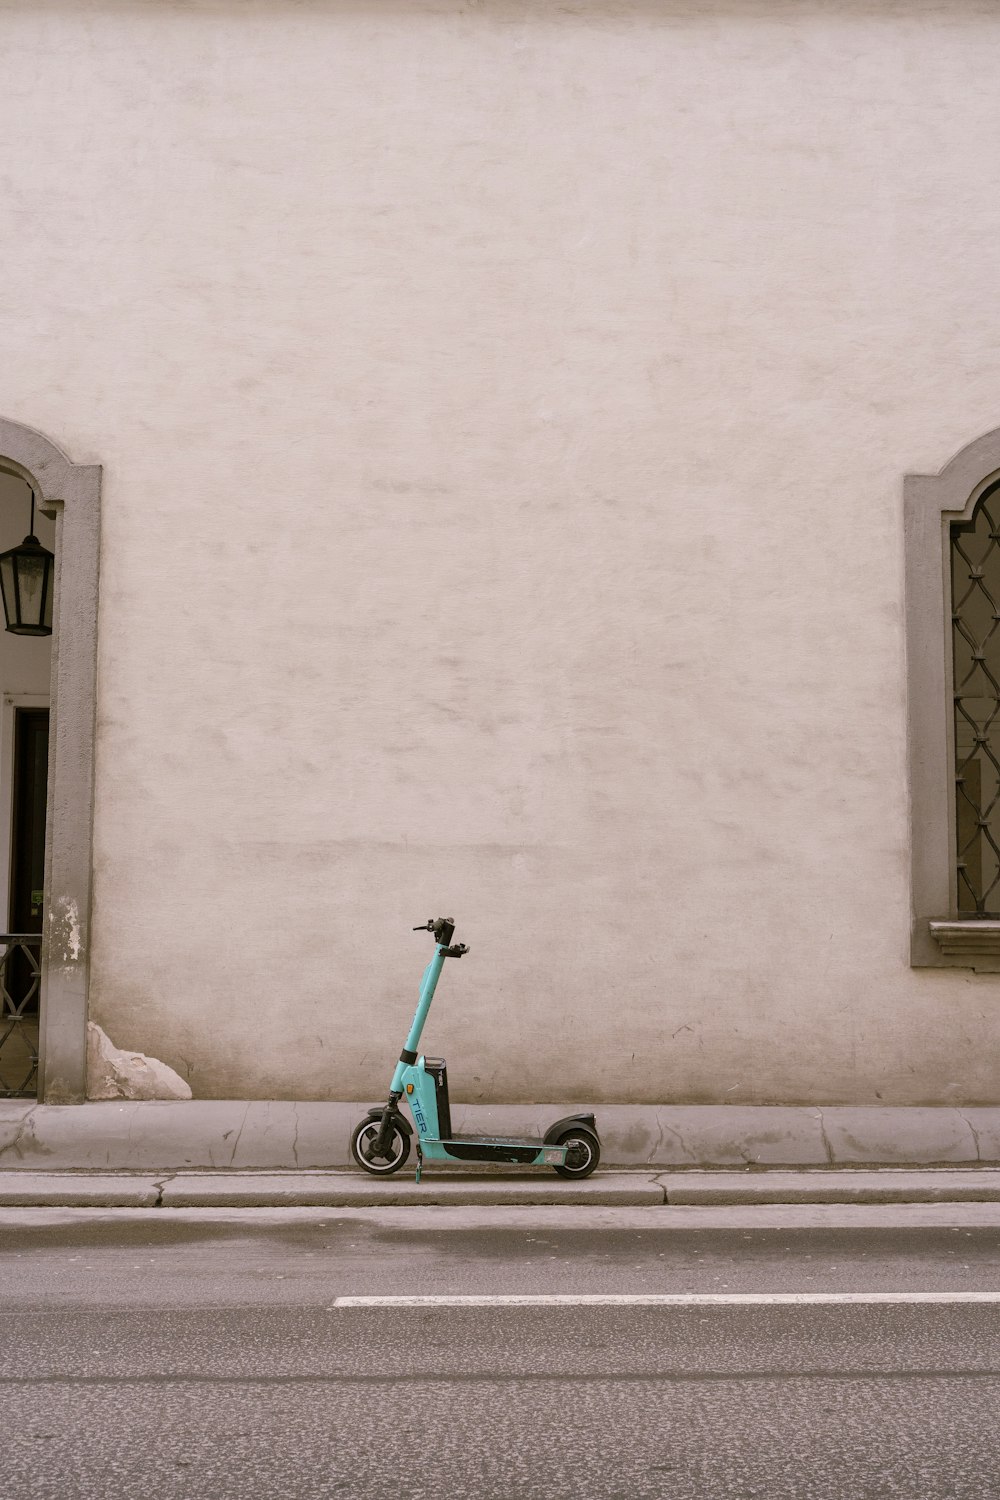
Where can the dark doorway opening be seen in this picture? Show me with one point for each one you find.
(20, 973)
(31, 775)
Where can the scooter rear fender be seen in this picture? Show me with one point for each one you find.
(400, 1118)
(561, 1126)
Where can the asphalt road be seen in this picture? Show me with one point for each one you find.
(203, 1354)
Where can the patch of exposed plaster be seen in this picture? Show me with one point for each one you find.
(65, 946)
(113, 1073)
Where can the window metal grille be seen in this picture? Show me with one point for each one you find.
(975, 593)
(20, 978)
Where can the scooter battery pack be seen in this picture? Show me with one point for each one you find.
(435, 1066)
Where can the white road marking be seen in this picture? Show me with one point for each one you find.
(672, 1299)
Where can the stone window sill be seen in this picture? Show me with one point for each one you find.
(969, 944)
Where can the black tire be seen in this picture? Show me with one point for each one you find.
(583, 1154)
(364, 1135)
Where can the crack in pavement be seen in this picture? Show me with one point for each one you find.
(15, 1144)
(973, 1132)
(160, 1184)
(658, 1143)
(825, 1138)
(239, 1133)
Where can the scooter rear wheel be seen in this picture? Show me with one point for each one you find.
(363, 1139)
(583, 1152)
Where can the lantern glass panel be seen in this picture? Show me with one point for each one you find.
(9, 588)
(31, 579)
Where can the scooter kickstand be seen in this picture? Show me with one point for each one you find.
(420, 1161)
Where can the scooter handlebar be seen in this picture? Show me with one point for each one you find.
(443, 929)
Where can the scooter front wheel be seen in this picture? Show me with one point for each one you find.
(583, 1152)
(363, 1139)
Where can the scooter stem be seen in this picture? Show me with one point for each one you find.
(428, 984)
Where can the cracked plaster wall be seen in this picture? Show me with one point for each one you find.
(503, 415)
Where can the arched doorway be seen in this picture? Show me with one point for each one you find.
(49, 727)
(25, 680)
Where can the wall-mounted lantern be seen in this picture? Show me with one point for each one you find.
(27, 575)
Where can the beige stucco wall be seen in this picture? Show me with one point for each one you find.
(503, 410)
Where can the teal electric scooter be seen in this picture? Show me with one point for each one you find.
(380, 1143)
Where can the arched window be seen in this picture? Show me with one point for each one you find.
(953, 672)
(975, 627)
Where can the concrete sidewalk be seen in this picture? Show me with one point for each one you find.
(280, 1135)
(604, 1190)
(231, 1153)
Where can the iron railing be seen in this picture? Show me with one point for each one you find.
(20, 981)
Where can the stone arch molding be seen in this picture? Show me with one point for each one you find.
(931, 503)
(71, 494)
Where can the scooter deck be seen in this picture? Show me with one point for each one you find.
(495, 1140)
(521, 1149)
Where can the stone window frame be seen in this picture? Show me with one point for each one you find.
(931, 504)
(71, 494)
